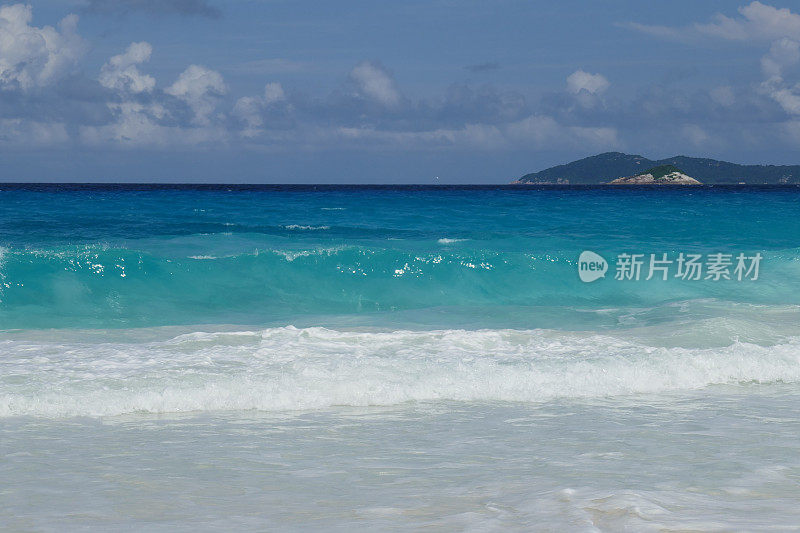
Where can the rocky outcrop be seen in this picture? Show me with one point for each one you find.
(663, 175)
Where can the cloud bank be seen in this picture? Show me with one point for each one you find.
(49, 98)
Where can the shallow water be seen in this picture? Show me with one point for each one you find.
(696, 461)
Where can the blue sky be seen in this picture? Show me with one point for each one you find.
(387, 92)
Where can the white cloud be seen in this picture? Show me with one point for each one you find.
(787, 96)
(757, 21)
(583, 81)
(273, 92)
(761, 20)
(375, 83)
(783, 53)
(35, 57)
(138, 125)
(199, 87)
(120, 71)
(250, 109)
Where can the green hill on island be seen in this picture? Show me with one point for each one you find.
(663, 170)
(603, 168)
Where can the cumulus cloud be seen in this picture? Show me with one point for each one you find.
(757, 21)
(250, 109)
(580, 81)
(785, 95)
(373, 82)
(135, 123)
(783, 53)
(35, 57)
(157, 120)
(273, 92)
(120, 72)
(200, 88)
(181, 7)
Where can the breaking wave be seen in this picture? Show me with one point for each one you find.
(292, 368)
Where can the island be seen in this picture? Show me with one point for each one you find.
(660, 175)
(602, 169)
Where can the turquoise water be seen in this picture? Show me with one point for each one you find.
(259, 345)
(122, 258)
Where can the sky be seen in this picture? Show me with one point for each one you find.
(437, 91)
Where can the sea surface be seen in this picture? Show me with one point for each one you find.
(339, 358)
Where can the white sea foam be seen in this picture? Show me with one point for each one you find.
(446, 240)
(305, 228)
(295, 369)
(291, 255)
